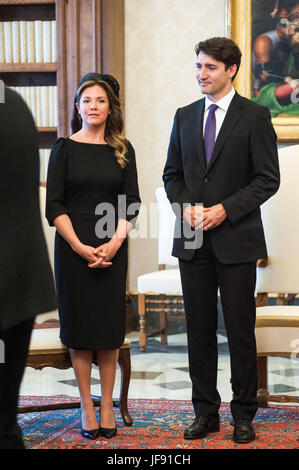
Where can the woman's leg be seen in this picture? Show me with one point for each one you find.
(82, 362)
(107, 366)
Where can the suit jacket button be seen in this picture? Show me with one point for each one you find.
(206, 180)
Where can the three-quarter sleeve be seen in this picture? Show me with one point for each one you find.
(56, 203)
(130, 191)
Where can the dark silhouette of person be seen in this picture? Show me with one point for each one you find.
(27, 285)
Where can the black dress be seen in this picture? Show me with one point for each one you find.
(81, 178)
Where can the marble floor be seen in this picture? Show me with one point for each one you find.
(161, 373)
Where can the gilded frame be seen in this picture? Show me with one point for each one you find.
(239, 22)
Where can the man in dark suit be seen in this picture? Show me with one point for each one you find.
(26, 280)
(221, 166)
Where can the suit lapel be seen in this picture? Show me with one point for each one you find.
(197, 137)
(232, 116)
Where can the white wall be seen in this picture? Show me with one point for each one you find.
(160, 36)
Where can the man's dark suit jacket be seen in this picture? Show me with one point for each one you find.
(26, 280)
(243, 173)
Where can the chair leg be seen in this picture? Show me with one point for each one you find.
(163, 327)
(163, 322)
(262, 392)
(124, 361)
(141, 312)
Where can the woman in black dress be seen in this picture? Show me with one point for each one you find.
(93, 173)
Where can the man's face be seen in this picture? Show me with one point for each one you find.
(293, 35)
(288, 26)
(282, 24)
(212, 77)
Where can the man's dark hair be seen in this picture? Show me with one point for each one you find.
(222, 49)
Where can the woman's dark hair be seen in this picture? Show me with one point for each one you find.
(221, 49)
(114, 124)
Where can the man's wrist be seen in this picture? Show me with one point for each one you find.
(223, 209)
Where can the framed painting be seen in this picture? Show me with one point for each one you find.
(267, 32)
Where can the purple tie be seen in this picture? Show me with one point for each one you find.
(210, 130)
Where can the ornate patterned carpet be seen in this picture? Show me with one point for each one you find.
(158, 424)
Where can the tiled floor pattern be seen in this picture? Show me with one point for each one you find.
(161, 373)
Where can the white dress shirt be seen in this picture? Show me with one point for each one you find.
(220, 112)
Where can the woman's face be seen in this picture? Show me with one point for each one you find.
(93, 106)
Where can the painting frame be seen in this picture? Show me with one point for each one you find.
(239, 28)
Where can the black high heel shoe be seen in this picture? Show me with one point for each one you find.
(90, 433)
(108, 432)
